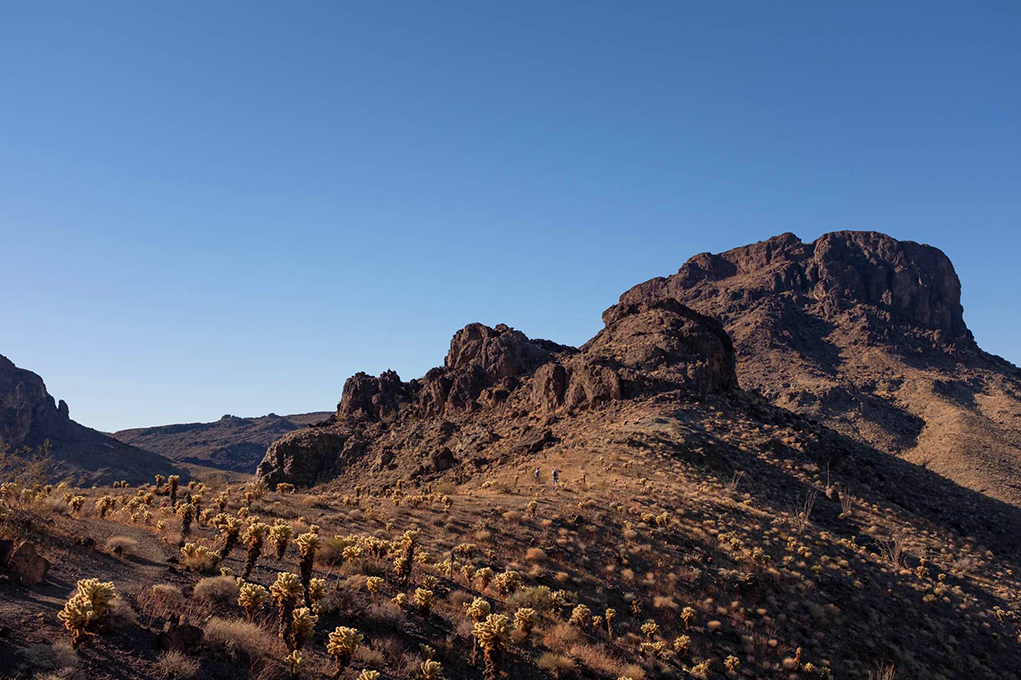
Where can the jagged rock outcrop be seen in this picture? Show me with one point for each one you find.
(29, 418)
(864, 333)
(499, 374)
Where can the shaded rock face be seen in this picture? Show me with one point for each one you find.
(24, 404)
(499, 374)
(645, 348)
(29, 416)
(367, 397)
(912, 282)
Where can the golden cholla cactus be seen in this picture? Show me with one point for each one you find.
(532, 506)
(681, 644)
(308, 543)
(343, 644)
(286, 590)
(424, 599)
(650, 629)
(198, 557)
(280, 535)
(186, 511)
(609, 615)
(401, 600)
(732, 663)
(366, 674)
(525, 620)
(430, 669)
(173, 481)
(508, 582)
(230, 530)
(468, 571)
(581, 616)
(484, 576)
(221, 501)
(294, 663)
(89, 603)
(303, 622)
(103, 504)
(317, 590)
(687, 615)
(159, 481)
(253, 537)
(252, 597)
(75, 503)
(373, 584)
(465, 550)
(492, 635)
(654, 649)
(478, 609)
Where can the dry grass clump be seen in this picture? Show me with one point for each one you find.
(121, 546)
(242, 640)
(174, 665)
(221, 590)
(50, 657)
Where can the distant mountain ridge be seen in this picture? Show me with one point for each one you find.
(29, 416)
(230, 443)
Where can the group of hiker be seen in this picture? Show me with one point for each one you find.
(556, 476)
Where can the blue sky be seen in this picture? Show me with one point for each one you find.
(211, 208)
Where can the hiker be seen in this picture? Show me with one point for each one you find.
(556, 476)
(536, 475)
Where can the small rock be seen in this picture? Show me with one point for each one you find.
(28, 565)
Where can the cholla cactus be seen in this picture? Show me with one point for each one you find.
(492, 635)
(252, 597)
(525, 620)
(342, 646)
(186, 512)
(303, 622)
(90, 602)
(75, 503)
(221, 501)
(681, 644)
(687, 615)
(159, 481)
(173, 481)
(253, 538)
(308, 543)
(532, 506)
(424, 600)
(198, 557)
(430, 669)
(280, 535)
(478, 610)
(508, 582)
(581, 616)
(406, 556)
(317, 590)
(654, 649)
(230, 529)
(286, 590)
(294, 663)
(401, 600)
(373, 584)
(650, 629)
(366, 674)
(103, 504)
(609, 615)
(484, 576)
(468, 571)
(732, 663)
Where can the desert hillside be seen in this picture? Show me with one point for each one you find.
(230, 443)
(35, 428)
(867, 335)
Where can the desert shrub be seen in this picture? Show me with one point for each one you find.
(121, 546)
(90, 603)
(538, 598)
(241, 640)
(218, 589)
(174, 665)
(50, 657)
(557, 665)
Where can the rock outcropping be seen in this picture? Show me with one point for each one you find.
(866, 334)
(497, 376)
(30, 418)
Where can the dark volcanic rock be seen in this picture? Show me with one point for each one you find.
(29, 417)
(367, 397)
(306, 456)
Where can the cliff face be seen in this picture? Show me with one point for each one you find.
(29, 416)
(866, 334)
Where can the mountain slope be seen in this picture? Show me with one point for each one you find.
(866, 334)
(230, 443)
(29, 417)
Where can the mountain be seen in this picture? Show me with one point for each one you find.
(29, 417)
(230, 443)
(865, 334)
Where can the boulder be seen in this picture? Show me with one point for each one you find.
(442, 460)
(27, 565)
(180, 635)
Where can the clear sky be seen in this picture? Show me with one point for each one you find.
(217, 207)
